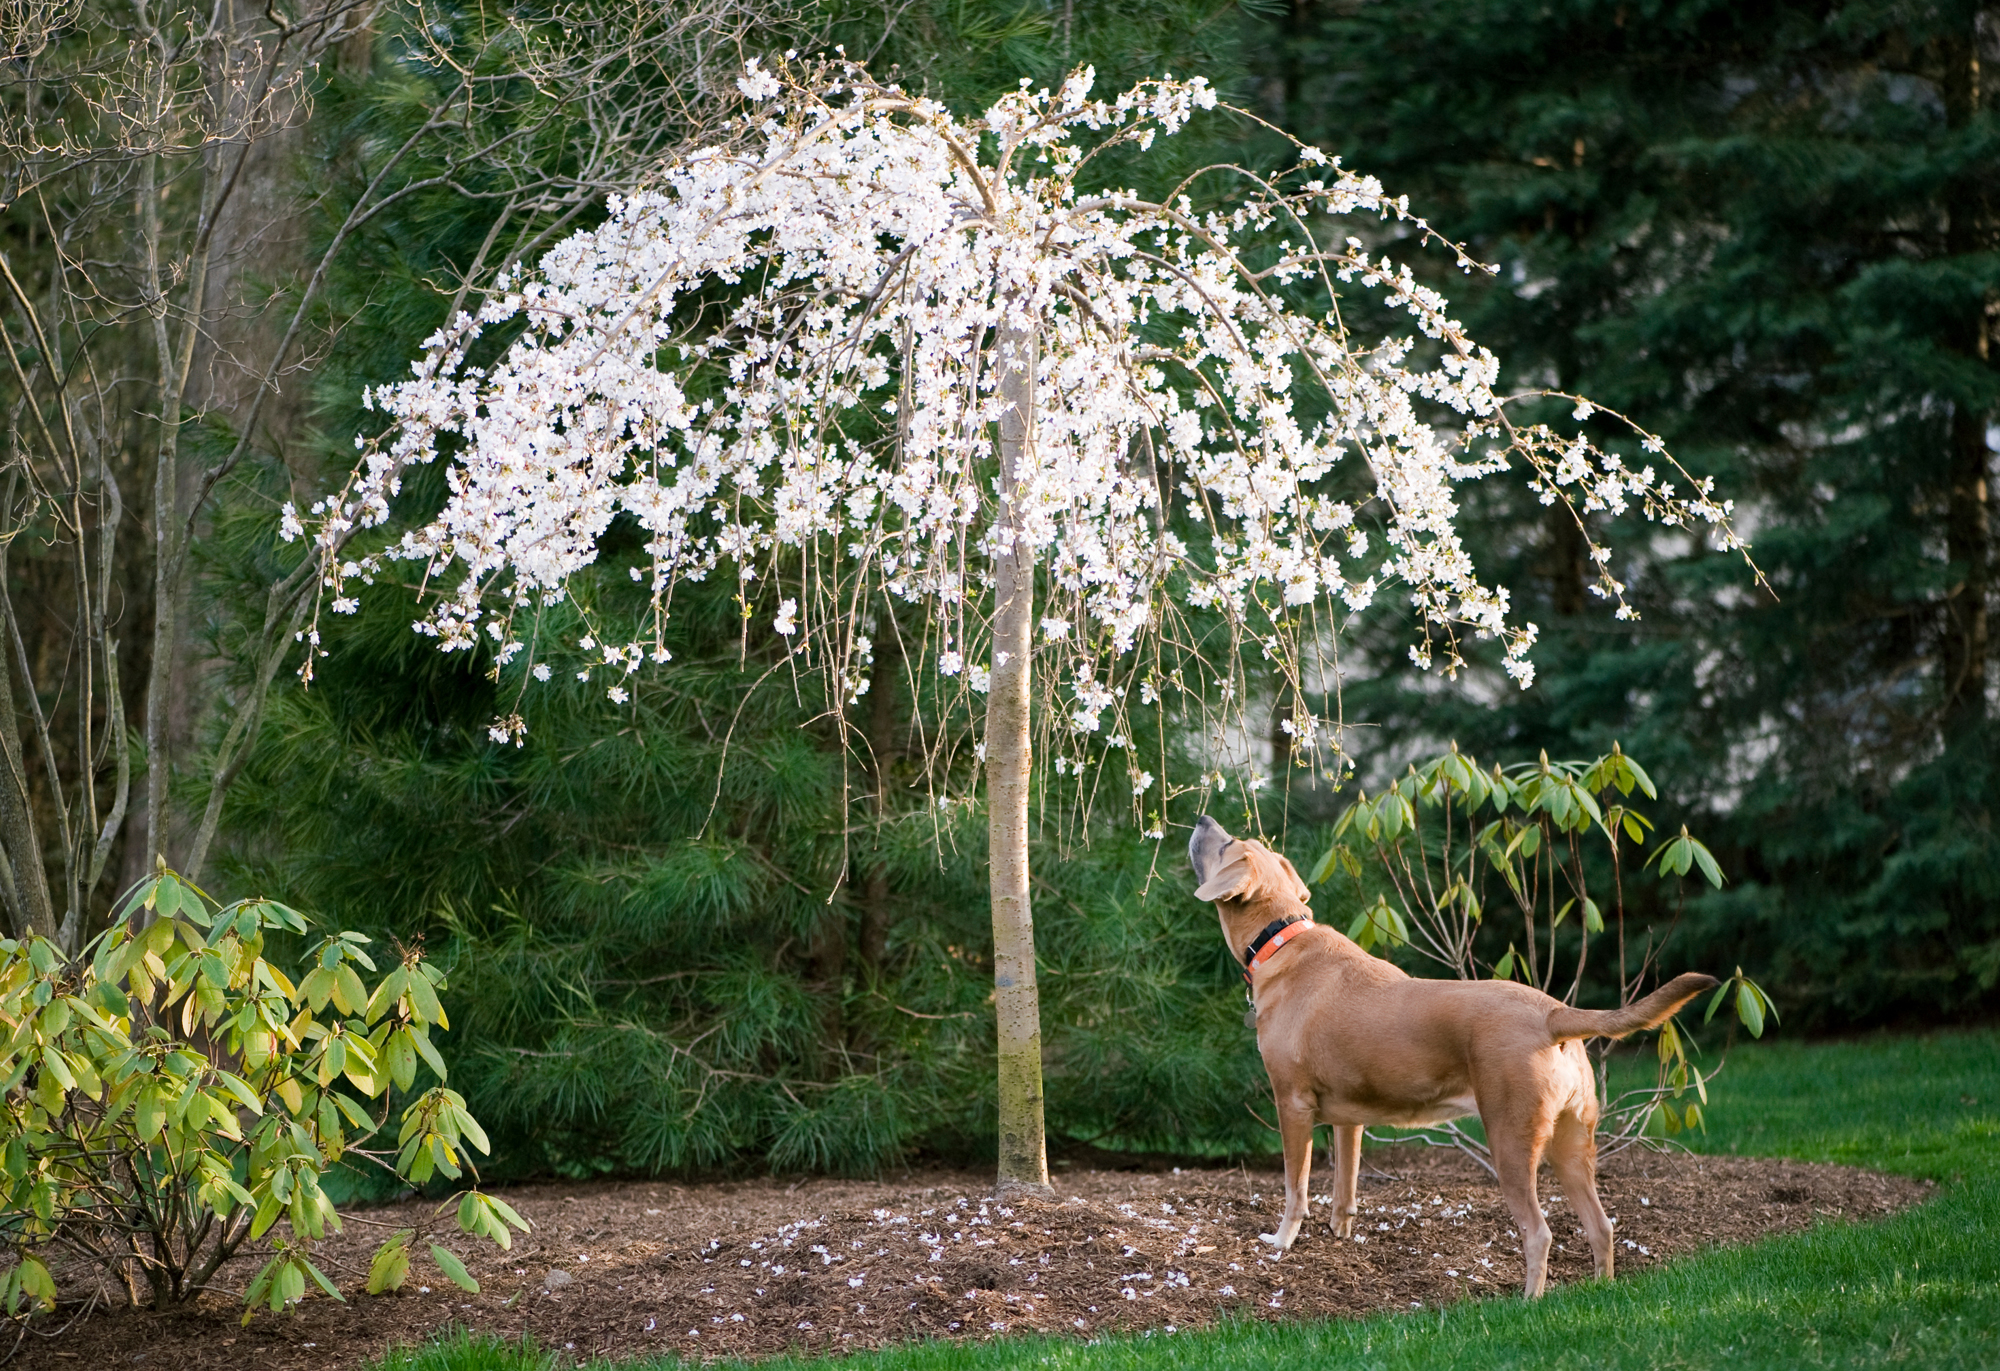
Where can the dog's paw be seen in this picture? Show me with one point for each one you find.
(1271, 1238)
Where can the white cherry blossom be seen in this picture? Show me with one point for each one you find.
(782, 353)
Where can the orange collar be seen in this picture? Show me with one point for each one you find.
(1270, 945)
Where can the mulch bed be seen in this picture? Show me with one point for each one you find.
(751, 1268)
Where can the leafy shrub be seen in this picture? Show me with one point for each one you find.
(1446, 841)
(171, 1095)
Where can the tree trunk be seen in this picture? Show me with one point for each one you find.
(24, 887)
(876, 912)
(1024, 1161)
(1968, 515)
(1567, 554)
(1967, 521)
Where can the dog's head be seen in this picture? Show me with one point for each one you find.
(1242, 869)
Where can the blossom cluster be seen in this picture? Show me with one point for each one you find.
(780, 358)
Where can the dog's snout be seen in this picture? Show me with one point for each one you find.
(1205, 845)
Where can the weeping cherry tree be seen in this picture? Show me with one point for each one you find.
(869, 354)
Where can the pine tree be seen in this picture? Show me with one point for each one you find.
(1769, 233)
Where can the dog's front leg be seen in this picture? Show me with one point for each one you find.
(1346, 1177)
(1295, 1126)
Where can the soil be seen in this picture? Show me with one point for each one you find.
(751, 1268)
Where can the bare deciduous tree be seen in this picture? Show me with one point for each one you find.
(143, 151)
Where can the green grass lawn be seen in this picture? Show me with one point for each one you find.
(1920, 1290)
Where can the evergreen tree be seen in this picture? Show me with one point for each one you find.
(1770, 233)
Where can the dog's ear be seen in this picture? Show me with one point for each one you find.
(1232, 880)
(1298, 886)
(1250, 869)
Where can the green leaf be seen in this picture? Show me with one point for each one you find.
(36, 1282)
(317, 988)
(505, 1211)
(150, 1116)
(1763, 999)
(1749, 1009)
(348, 994)
(386, 994)
(240, 1088)
(158, 937)
(1321, 868)
(1476, 789)
(263, 1284)
(1389, 812)
(402, 1058)
(1721, 993)
(1593, 917)
(284, 916)
(445, 1156)
(319, 1277)
(391, 1266)
(140, 897)
(1347, 816)
(425, 1001)
(1645, 781)
(453, 1268)
(113, 1000)
(422, 1040)
(1706, 862)
(356, 1115)
(268, 1210)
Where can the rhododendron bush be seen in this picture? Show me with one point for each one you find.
(869, 353)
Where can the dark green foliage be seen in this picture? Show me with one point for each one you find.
(656, 963)
(1767, 232)
(967, 52)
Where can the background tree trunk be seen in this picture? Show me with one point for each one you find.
(1024, 1160)
(877, 905)
(1968, 517)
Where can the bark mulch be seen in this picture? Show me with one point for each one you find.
(757, 1267)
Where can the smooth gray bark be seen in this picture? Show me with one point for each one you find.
(1024, 1163)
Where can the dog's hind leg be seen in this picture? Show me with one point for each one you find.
(1517, 1156)
(1295, 1126)
(1573, 1156)
(1346, 1177)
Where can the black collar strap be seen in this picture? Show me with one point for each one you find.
(1271, 930)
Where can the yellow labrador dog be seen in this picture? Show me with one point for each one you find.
(1350, 1040)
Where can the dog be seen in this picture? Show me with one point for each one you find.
(1350, 1040)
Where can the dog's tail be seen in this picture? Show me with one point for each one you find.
(1566, 1023)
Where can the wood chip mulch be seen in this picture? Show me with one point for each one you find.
(751, 1268)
